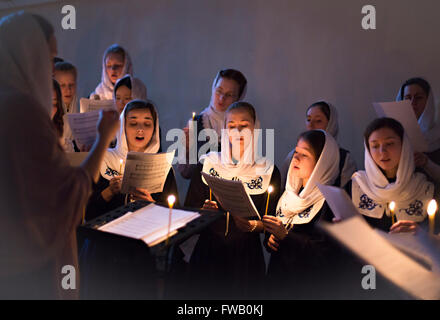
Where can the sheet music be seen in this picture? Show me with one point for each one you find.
(76, 158)
(232, 196)
(83, 126)
(401, 270)
(146, 170)
(403, 112)
(339, 201)
(150, 223)
(87, 105)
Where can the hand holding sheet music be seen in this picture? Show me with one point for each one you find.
(403, 112)
(83, 126)
(87, 105)
(146, 171)
(232, 196)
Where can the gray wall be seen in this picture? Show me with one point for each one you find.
(293, 52)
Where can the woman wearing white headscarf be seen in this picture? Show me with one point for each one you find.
(139, 132)
(126, 89)
(422, 99)
(42, 195)
(305, 263)
(323, 115)
(116, 62)
(228, 259)
(229, 86)
(390, 176)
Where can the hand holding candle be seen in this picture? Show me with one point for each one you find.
(432, 208)
(171, 200)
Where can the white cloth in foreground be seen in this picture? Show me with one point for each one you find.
(372, 192)
(429, 122)
(292, 206)
(111, 164)
(43, 197)
(105, 89)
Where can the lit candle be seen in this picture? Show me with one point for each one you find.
(194, 116)
(269, 190)
(392, 206)
(210, 194)
(120, 166)
(171, 200)
(432, 208)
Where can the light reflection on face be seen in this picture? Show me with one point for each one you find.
(139, 128)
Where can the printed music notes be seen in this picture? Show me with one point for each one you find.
(147, 171)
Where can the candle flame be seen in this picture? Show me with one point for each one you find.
(120, 161)
(171, 200)
(194, 114)
(392, 206)
(270, 189)
(432, 207)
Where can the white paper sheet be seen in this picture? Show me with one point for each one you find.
(83, 126)
(403, 112)
(232, 196)
(150, 223)
(394, 265)
(87, 105)
(146, 170)
(339, 201)
(76, 158)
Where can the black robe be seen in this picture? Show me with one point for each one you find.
(232, 266)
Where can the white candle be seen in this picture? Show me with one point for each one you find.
(392, 207)
(432, 208)
(120, 166)
(171, 200)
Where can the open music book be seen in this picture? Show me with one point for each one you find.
(150, 223)
(232, 196)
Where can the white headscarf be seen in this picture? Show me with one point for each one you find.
(371, 191)
(213, 118)
(105, 88)
(255, 173)
(111, 164)
(138, 89)
(294, 208)
(428, 121)
(333, 126)
(25, 71)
